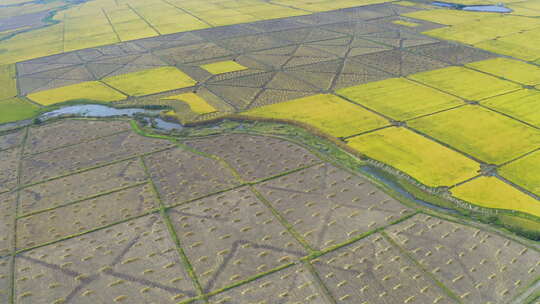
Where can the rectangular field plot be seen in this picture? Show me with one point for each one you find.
(133, 262)
(5, 279)
(8, 202)
(373, 271)
(79, 186)
(524, 172)
(291, 285)
(329, 206)
(9, 166)
(491, 192)
(514, 70)
(104, 150)
(150, 81)
(400, 98)
(232, 236)
(87, 91)
(328, 113)
(181, 176)
(425, 160)
(15, 109)
(523, 45)
(12, 139)
(256, 157)
(68, 132)
(479, 267)
(72, 219)
(465, 83)
(523, 105)
(484, 134)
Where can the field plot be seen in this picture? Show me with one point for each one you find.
(14, 109)
(491, 192)
(328, 113)
(68, 132)
(80, 186)
(5, 278)
(232, 236)
(328, 206)
(400, 98)
(465, 83)
(8, 81)
(84, 91)
(489, 136)
(373, 271)
(514, 70)
(256, 157)
(223, 67)
(524, 172)
(447, 17)
(451, 52)
(196, 103)
(523, 45)
(8, 202)
(12, 139)
(132, 262)
(426, 161)
(479, 267)
(523, 105)
(150, 81)
(9, 165)
(104, 150)
(72, 219)
(181, 176)
(291, 285)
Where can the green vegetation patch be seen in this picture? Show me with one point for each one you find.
(14, 109)
(482, 133)
(8, 81)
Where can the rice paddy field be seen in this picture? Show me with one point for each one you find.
(338, 151)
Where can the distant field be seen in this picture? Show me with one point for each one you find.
(427, 161)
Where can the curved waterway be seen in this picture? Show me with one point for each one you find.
(473, 8)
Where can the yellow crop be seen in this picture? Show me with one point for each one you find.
(405, 23)
(425, 160)
(223, 67)
(491, 192)
(523, 104)
(150, 81)
(89, 91)
(514, 70)
(197, 104)
(524, 172)
(8, 81)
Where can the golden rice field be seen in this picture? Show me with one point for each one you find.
(223, 67)
(196, 103)
(484, 134)
(150, 81)
(491, 192)
(427, 161)
(8, 81)
(400, 98)
(84, 91)
(510, 69)
(328, 113)
(522, 104)
(524, 172)
(465, 83)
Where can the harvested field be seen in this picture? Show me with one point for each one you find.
(8, 203)
(70, 220)
(491, 192)
(256, 157)
(89, 154)
(484, 134)
(292, 285)
(181, 176)
(11, 139)
(5, 279)
(130, 262)
(425, 160)
(68, 132)
(479, 267)
(524, 172)
(9, 166)
(76, 187)
(328, 206)
(400, 98)
(374, 271)
(465, 83)
(522, 104)
(232, 236)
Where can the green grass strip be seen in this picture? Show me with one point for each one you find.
(317, 278)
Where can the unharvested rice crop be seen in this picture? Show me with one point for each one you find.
(87, 91)
(524, 172)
